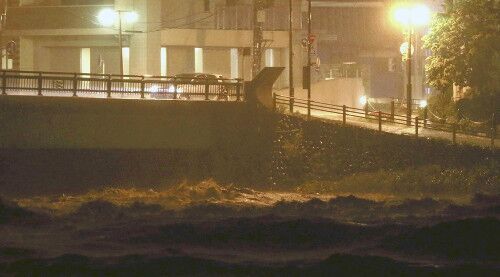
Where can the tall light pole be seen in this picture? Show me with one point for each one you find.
(3, 20)
(409, 85)
(309, 48)
(108, 18)
(290, 56)
(409, 17)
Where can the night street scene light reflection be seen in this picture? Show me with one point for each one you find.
(249, 138)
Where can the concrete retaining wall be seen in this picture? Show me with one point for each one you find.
(86, 123)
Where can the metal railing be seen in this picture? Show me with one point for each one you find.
(488, 131)
(196, 87)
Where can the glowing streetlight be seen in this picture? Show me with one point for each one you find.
(410, 16)
(108, 17)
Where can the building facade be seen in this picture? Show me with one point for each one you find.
(353, 39)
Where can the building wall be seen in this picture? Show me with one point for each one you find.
(64, 59)
(109, 56)
(217, 60)
(180, 60)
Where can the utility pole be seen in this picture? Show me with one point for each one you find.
(3, 20)
(258, 35)
(120, 38)
(290, 56)
(309, 46)
(409, 101)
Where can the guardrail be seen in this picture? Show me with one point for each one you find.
(488, 130)
(202, 87)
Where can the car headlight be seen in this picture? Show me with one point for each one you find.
(154, 89)
(423, 104)
(363, 100)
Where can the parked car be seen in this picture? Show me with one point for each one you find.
(192, 86)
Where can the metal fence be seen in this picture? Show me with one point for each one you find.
(486, 130)
(195, 87)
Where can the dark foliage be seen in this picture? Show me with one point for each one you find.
(318, 150)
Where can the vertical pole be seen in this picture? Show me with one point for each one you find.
(493, 131)
(344, 115)
(238, 91)
(121, 41)
(143, 86)
(366, 109)
(425, 117)
(3, 20)
(109, 86)
(379, 121)
(258, 37)
(416, 126)
(392, 110)
(40, 84)
(4, 83)
(207, 89)
(75, 84)
(309, 46)
(409, 85)
(290, 56)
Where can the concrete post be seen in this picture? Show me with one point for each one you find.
(145, 46)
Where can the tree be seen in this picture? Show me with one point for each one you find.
(465, 44)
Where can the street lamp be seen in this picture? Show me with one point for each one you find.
(108, 17)
(410, 16)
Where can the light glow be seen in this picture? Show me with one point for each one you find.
(403, 49)
(131, 17)
(423, 104)
(154, 89)
(417, 15)
(363, 100)
(107, 17)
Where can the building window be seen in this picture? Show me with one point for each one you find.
(198, 60)
(85, 60)
(235, 63)
(163, 61)
(270, 57)
(126, 60)
(6, 62)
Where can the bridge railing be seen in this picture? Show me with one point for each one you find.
(120, 86)
(486, 129)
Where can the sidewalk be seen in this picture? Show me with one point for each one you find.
(403, 129)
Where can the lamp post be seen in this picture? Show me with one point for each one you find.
(290, 55)
(309, 50)
(3, 20)
(108, 18)
(409, 17)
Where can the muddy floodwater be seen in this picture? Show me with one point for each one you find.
(211, 229)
